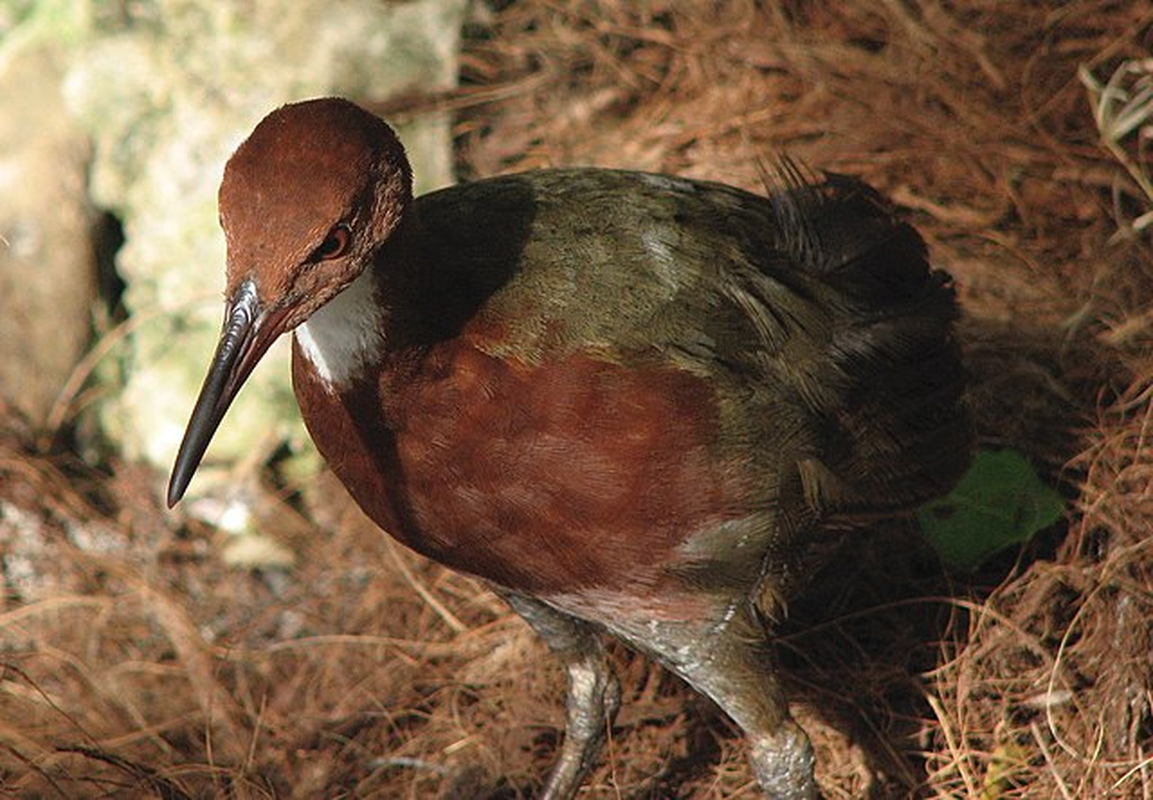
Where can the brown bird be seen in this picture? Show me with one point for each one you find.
(635, 404)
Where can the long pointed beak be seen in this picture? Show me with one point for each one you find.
(247, 334)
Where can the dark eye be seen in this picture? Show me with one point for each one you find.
(334, 245)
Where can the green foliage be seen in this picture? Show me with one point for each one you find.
(999, 502)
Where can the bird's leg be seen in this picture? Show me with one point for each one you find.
(728, 660)
(593, 691)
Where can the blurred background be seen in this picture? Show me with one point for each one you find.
(265, 640)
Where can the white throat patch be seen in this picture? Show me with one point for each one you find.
(344, 335)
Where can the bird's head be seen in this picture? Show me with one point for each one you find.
(306, 201)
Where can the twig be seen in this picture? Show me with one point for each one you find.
(954, 747)
(418, 586)
(1040, 740)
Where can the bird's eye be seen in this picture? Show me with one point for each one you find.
(334, 245)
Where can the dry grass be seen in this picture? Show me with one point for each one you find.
(1016, 134)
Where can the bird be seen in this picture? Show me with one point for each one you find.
(638, 406)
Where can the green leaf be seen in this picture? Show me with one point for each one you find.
(999, 502)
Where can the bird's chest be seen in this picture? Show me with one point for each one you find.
(555, 477)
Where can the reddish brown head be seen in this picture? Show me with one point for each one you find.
(305, 203)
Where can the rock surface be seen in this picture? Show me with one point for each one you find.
(47, 265)
(132, 109)
(167, 89)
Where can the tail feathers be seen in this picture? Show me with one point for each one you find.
(897, 429)
(841, 228)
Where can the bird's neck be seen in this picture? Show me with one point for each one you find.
(347, 335)
(381, 319)
(409, 298)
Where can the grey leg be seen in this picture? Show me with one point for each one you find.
(728, 660)
(593, 691)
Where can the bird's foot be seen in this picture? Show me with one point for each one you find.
(593, 697)
(783, 763)
(593, 691)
